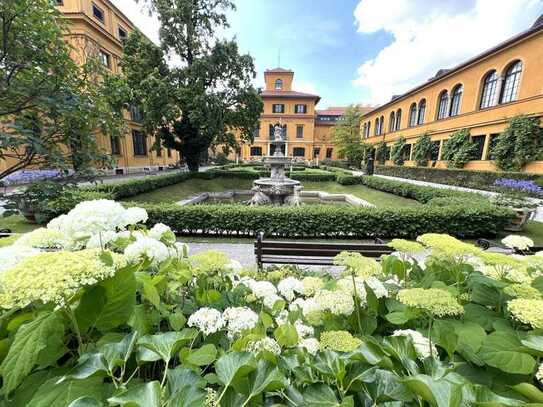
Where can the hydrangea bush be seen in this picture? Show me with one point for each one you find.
(99, 309)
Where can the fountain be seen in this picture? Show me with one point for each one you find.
(278, 189)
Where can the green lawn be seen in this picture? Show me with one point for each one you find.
(17, 224)
(192, 187)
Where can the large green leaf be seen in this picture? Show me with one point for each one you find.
(286, 335)
(86, 401)
(385, 386)
(202, 356)
(55, 394)
(116, 305)
(164, 345)
(234, 366)
(266, 377)
(534, 343)
(503, 351)
(179, 378)
(529, 391)
(321, 395)
(439, 393)
(142, 395)
(30, 341)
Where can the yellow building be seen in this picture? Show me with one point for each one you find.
(480, 94)
(98, 28)
(308, 130)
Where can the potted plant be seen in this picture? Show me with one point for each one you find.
(30, 200)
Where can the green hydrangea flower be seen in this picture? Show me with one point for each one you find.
(527, 311)
(525, 291)
(360, 265)
(55, 277)
(210, 261)
(341, 341)
(437, 302)
(406, 246)
(449, 246)
(312, 285)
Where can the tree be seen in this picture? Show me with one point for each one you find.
(519, 144)
(50, 107)
(346, 136)
(206, 98)
(381, 152)
(459, 149)
(422, 150)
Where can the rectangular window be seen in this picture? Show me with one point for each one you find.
(479, 141)
(122, 34)
(135, 114)
(316, 152)
(140, 143)
(278, 108)
(406, 152)
(115, 145)
(298, 152)
(492, 143)
(256, 151)
(329, 153)
(158, 146)
(105, 59)
(256, 132)
(434, 153)
(300, 109)
(98, 13)
(60, 2)
(299, 131)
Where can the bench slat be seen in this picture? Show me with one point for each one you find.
(318, 253)
(337, 246)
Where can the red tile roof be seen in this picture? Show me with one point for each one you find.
(340, 111)
(279, 70)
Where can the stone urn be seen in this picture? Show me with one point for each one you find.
(523, 215)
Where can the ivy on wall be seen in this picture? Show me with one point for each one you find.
(422, 150)
(397, 151)
(519, 144)
(381, 152)
(459, 149)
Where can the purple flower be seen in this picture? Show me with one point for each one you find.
(519, 185)
(29, 176)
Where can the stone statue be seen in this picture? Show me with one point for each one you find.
(278, 134)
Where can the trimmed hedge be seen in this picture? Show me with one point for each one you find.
(464, 178)
(326, 221)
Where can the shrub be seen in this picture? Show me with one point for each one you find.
(397, 153)
(381, 151)
(519, 144)
(459, 149)
(331, 221)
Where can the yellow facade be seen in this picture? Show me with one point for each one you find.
(96, 28)
(512, 69)
(308, 130)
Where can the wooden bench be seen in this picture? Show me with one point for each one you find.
(488, 244)
(5, 233)
(316, 254)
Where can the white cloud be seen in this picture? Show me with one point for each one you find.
(304, 86)
(139, 15)
(428, 36)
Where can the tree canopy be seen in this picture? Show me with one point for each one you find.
(51, 107)
(207, 95)
(346, 136)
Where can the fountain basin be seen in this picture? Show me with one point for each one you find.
(245, 196)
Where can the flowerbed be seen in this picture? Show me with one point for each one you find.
(99, 310)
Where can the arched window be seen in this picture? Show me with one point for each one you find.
(456, 99)
(443, 105)
(511, 82)
(364, 131)
(392, 122)
(279, 84)
(413, 115)
(398, 119)
(369, 129)
(490, 87)
(376, 131)
(422, 111)
(382, 125)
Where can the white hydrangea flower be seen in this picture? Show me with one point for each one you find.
(145, 246)
(157, 231)
(346, 285)
(262, 289)
(307, 306)
(42, 238)
(207, 320)
(178, 250)
(289, 286)
(539, 374)
(104, 238)
(312, 345)
(264, 344)
(303, 330)
(133, 216)
(11, 255)
(420, 342)
(518, 242)
(270, 300)
(377, 286)
(234, 266)
(282, 318)
(336, 302)
(239, 319)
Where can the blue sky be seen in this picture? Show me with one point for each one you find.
(364, 51)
